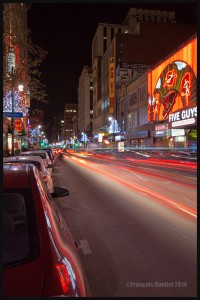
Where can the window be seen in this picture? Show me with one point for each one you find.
(21, 242)
(104, 39)
(36, 163)
(112, 33)
(133, 99)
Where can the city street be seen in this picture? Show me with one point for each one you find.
(135, 224)
(100, 131)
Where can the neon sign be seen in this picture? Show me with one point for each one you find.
(185, 87)
(170, 78)
(172, 85)
(183, 117)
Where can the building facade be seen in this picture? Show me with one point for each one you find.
(161, 104)
(71, 109)
(16, 97)
(85, 102)
(102, 41)
(127, 57)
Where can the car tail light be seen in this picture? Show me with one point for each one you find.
(64, 278)
(45, 178)
(62, 281)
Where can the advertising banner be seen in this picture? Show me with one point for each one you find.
(172, 86)
(111, 84)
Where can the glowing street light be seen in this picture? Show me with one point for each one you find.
(20, 87)
(110, 118)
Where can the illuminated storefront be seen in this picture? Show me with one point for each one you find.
(172, 93)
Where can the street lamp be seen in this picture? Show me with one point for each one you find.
(38, 134)
(20, 87)
(110, 118)
(12, 119)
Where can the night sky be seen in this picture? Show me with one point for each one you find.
(66, 31)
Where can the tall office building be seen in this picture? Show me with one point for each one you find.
(100, 43)
(70, 110)
(85, 96)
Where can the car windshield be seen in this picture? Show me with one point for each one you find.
(48, 152)
(42, 155)
(36, 163)
(21, 241)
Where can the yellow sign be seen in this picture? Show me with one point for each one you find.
(111, 84)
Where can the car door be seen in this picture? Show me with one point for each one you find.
(24, 279)
(23, 270)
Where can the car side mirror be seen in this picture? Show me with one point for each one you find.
(60, 192)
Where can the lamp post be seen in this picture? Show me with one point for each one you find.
(84, 139)
(12, 119)
(38, 133)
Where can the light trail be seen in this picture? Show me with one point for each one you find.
(171, 203)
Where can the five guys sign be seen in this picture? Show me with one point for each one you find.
(183, 117)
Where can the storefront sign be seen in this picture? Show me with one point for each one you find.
(120, 146)
(160, 133)
(161, 129)
(13, 115)
(183, 117)
(100, 137)
(177, 132)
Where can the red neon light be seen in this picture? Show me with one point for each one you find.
(170, 78)
(185, 87)
(156, 106)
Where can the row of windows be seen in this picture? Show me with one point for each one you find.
(137, 118)
(70, 110)
(105, 34)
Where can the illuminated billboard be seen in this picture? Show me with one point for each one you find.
(172, 84)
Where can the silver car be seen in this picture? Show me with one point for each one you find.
(43, 154)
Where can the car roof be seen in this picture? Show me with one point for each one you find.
(34, 151)
(29, 157)
(45, 149)
(49, 152)
(18, 175)
(36, 160)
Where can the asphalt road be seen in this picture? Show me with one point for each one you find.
(136, 230)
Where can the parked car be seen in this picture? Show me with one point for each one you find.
(40, 257)
(38, 162)
(43, 154)
(50, 153)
